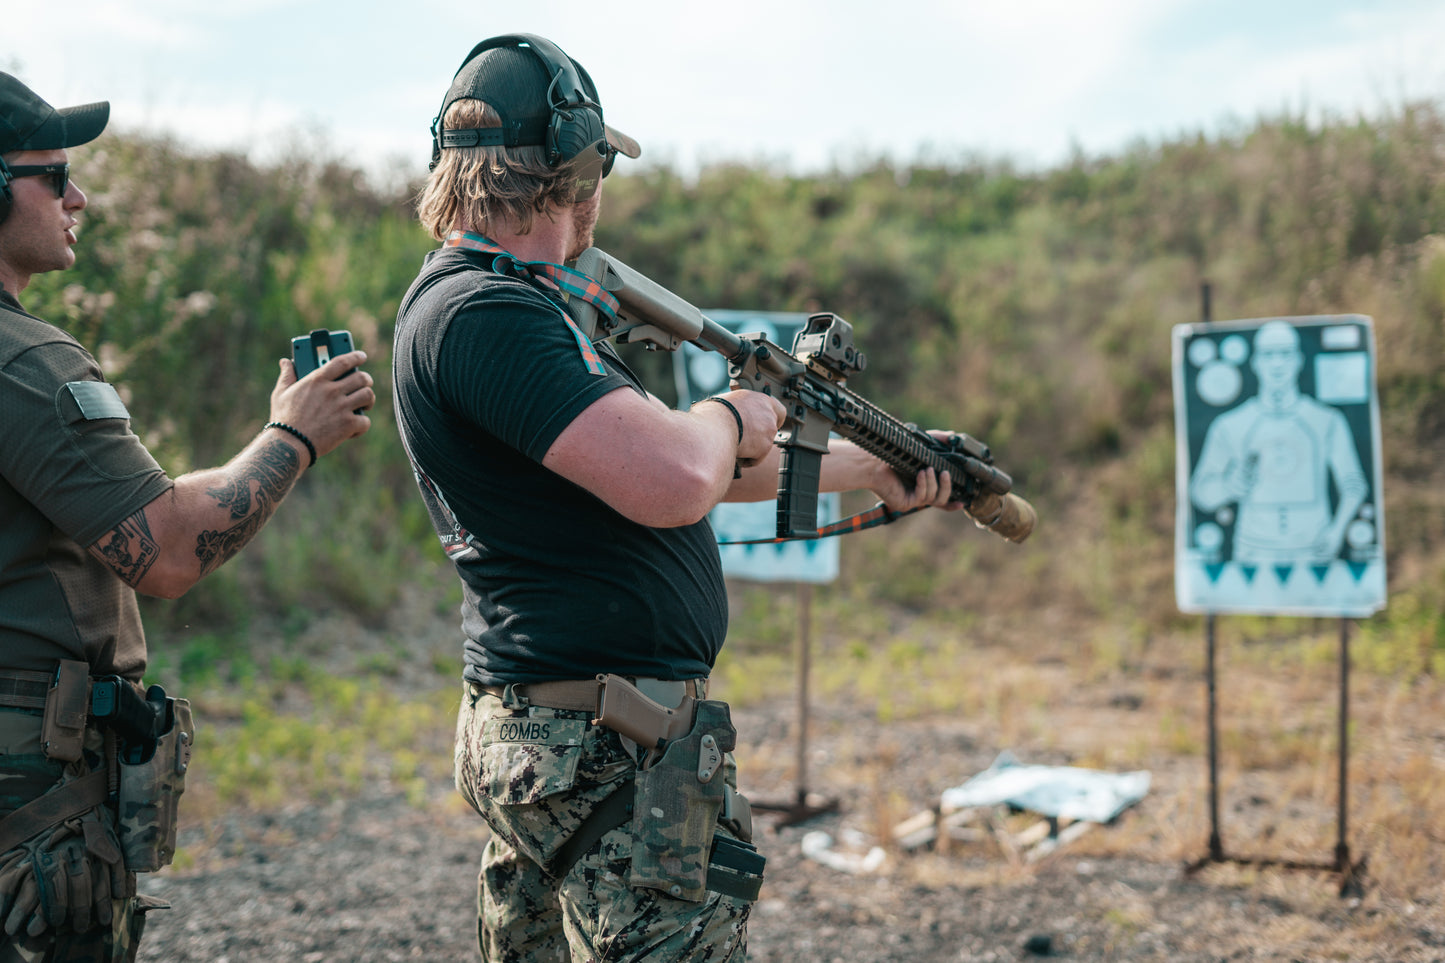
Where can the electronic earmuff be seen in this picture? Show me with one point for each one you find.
(6, 198)
(573, 128)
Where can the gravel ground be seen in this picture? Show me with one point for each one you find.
(373, 878)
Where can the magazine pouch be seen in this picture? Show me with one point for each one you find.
(62, 730)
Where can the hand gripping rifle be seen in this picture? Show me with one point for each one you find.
(810, 383)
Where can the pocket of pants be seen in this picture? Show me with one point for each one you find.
(519, 768)
(525, 759)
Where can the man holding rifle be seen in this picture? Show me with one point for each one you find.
(90, 769)
(574, 505)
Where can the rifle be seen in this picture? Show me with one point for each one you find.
(810, 383)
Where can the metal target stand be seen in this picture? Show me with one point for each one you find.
(1351, 873)
(800, 808)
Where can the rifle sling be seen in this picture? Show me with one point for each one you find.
(53, 808)
(879, 514)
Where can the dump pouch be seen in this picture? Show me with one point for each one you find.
(62, 733)
(150, 791)
(676, 810)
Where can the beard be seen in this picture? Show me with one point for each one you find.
(584, 222)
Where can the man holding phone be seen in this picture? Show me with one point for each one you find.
(90, 519)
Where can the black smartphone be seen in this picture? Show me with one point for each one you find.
(311, 351)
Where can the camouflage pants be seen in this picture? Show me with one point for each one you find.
(26, 773)
(535, 775)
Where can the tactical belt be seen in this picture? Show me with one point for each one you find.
(24, 690)
(580, 695)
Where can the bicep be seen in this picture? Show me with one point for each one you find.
(132, 548)
(156, 550)
(644, 460)
(608, 443)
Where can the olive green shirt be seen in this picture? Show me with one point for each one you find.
(71, 471)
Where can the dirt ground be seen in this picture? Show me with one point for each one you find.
(373, 878)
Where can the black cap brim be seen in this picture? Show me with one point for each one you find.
(68, 127)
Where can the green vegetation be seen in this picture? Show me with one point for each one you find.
(1032, 309)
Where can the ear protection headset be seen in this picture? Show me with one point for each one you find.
(6, 198)
(574, 125)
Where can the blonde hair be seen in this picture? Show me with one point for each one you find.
(479, 186)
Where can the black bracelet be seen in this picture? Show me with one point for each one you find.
(730, 407)
(292, 431)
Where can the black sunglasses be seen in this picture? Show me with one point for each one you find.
(59, 174)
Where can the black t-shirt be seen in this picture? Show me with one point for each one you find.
(557, 585)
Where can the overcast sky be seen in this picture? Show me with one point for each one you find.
(801, 84)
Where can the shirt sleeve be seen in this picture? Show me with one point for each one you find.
(514, 365)
(66, 445)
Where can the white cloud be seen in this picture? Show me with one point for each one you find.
(806, 81)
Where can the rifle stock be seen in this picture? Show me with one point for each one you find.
(810, 383)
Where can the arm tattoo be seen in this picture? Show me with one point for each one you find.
(130, 549)
(273, 469)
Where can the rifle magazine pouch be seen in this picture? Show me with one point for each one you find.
(62, 733)
(676, 809)
(150, 794)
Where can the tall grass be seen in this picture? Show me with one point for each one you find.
(1032, 310)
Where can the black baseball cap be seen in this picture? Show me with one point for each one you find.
(29, 123)
(519, 85)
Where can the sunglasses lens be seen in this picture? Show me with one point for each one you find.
(607, 164)
(59, 175)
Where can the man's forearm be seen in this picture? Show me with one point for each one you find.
(249, 490)
(209, 516)
(845, 468)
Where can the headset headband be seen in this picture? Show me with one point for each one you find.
(568, 92)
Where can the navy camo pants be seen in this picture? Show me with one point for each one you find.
(535, 774)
